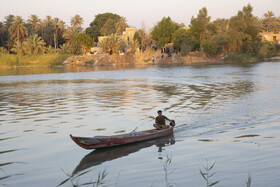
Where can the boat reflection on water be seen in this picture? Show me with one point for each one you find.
(100, 156)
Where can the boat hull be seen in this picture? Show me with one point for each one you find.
(110, 141)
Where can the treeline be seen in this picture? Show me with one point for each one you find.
(236, 37)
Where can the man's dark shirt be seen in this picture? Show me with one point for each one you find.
(161, 120)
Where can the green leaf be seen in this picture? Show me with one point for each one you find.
(203, 175)
(64, 182)
(214, 183)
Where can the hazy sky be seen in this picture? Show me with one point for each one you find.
(136, 12)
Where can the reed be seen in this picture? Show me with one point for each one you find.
(207, 175)
(75, 179)
(167, 171)
(248, 182)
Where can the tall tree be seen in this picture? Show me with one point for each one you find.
(270, 23)
(120, 26)
(70, 32)
(7, 24)
(34, 22)
(58, 25)
(198, 26)
(98, 22)
(244, 31)
(34, 45)
(77, 21)
(2, 34)
(84, 41)
(108, 27)
(48, 30)
(18, 48)
(18, 30)
(162, 32)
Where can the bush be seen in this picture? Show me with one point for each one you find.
(208, 47)
(238, 57)
(185, 49)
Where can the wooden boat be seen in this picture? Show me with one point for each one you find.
(99, 156)
(122, 139)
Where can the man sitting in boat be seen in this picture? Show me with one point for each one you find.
(160, 121)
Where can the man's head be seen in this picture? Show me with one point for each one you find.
(159, 112)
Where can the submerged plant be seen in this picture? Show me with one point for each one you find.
(167, 162)
(75, 179)
(207, 175)
(248, 182)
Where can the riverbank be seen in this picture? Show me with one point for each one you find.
(10, 60)
(104, 59)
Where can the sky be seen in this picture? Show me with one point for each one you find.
(138, 13)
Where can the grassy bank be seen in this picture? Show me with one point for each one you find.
(32, 60)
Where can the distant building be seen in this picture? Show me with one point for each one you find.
(127, 35)
(270, 36)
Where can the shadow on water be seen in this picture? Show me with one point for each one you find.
(100, 156)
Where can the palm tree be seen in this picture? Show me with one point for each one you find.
(270, 22)
(2, 32)
(17, 30)
(47, 26)
(120, 26)
(7, 24)
(77, 21)
(65, 49)
(34, 44)
(70, 33)
(133, 45)
(18, 48)
(57, 25)
(34, 22)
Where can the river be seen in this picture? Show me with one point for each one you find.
(231, 115)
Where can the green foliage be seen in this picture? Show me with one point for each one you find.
(84, 41)
(271, 49)
(167, 171)
(32, 60)
(208, 47)
(77, 21)
(108, 27)
(198, 26)
(3, 50)
(133, 45)
(34, 45)
(75, 179)
(137, 37)
(244, 32)
(18, 48)
(185, 49)
(249, 181)
(110, 43)
(270, 23)
(238, 57)
(207, 175)
(98, 22)
(122, 45)
(65, 49)
(121, 25)
(18, 30)
(162, 32)
(179, 37)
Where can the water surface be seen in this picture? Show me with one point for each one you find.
(231, 112)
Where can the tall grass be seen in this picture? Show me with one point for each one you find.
(32, 60)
